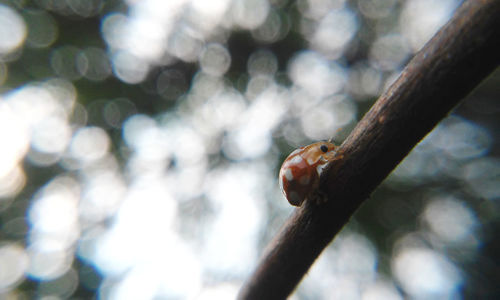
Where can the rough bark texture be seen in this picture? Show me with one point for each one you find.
(449, 66)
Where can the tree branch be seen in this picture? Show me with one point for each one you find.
(449, 66)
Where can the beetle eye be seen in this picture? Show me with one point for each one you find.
(323, 148)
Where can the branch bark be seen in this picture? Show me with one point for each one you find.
(449, 66)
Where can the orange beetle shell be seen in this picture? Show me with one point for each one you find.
(299, 174)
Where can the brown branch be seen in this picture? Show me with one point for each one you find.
(449, 66)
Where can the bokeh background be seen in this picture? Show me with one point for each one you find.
(141, 141)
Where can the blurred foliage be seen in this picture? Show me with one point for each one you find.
(143, 141)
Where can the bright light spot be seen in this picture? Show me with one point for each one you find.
(48, 264)
(189, 148)
(420, 19)
(212, 11)
(275, 27)
(147, 29)
(225, 291)
(102, 194)
(223, 110)
(134, 129)
(14, 135)
(142, 134)
(341, 271)
(258, 85)
(251, 137)
(314, 73)
(381, 290)
(12, 183)
(185, 45)
(215, 59)
(110, 252)
(34, 103)
(14, 262)
(389, 52)
(12, 30)
(249, 14)
(129, 68)
(155, 33)
(54, 211)
(455, 139)
(114, 29)
(146, 37)
(355, 254)
(184, 180)
(248, 142)
(482, 176)
(64, 94)
(204, 86)
(319, 121)
(450, 219)
(55, 228)
(425, 274)
(142, 230)
(90, 144)
(36, 114)
(173, 276)
(460, 138)
(365, 81)
(416, 167)
(51, 135)
(334, 31)
(230, 241)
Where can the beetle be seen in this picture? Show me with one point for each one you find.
(300, 172)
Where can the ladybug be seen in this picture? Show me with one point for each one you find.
(300, 172)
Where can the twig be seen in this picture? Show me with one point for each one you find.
(449, 66)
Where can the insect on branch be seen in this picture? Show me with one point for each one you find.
(449, 66)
